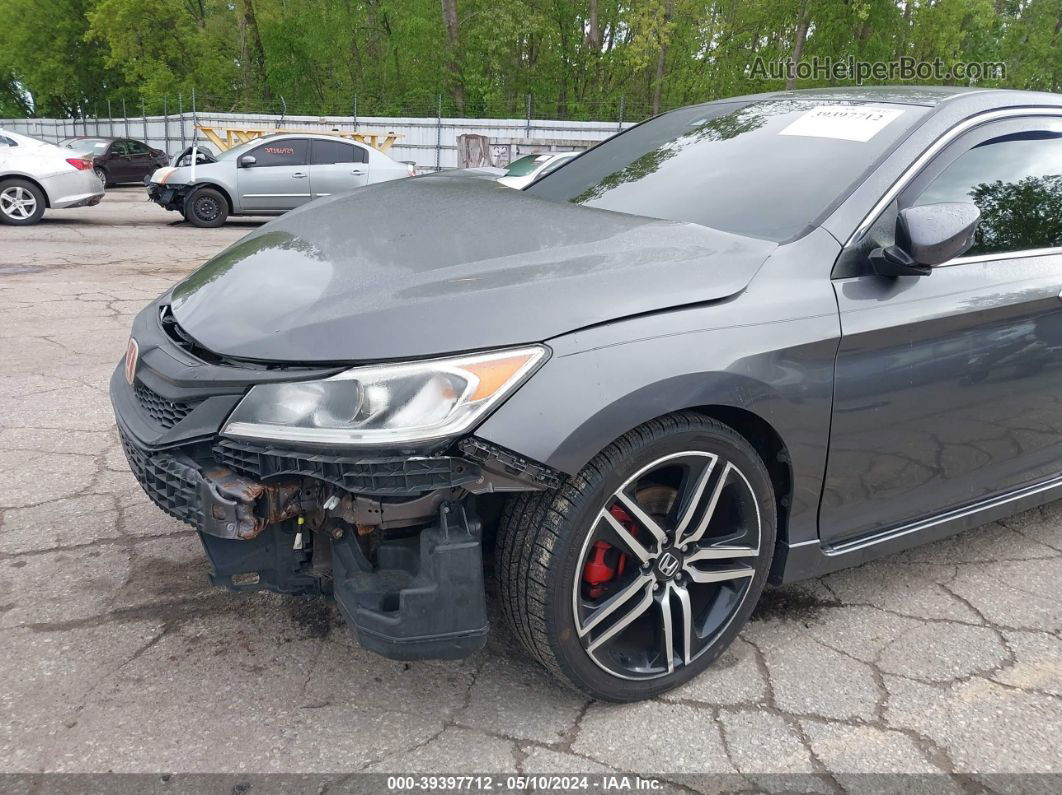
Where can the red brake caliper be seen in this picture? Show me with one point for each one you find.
(606, 562)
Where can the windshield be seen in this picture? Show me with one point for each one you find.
(560, 161)
(766, 169)
(523, 166)
(95, 145)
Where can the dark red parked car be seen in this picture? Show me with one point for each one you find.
(118, 159)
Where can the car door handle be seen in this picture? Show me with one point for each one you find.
(357, 171)
(299, 175)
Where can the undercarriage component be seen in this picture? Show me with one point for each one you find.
(505, 470)
(405, 568)
(424, 598)
(269, 562)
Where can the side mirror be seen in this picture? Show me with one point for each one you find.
(926, 236)
(246, 161)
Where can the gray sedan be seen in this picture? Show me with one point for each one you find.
(269, 176)
(748, 341)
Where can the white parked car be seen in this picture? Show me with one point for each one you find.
(35, 176)
(525, 170)
(269, 176)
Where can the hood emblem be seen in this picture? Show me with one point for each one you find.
(132, 353)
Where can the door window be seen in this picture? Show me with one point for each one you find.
(120, 148)
(329, 152)
(136, 148)
(1016, 182)
(1014, 176)
(288, 152)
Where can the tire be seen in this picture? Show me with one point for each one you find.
(102, 176)
(206, 208)
(550, 574)
(21, 202)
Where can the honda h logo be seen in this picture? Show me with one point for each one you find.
(668, 564)
(132, 353)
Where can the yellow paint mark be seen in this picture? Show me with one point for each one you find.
(227, 137)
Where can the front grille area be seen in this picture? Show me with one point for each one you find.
(165, 412)
(398, 476)
(171, 484)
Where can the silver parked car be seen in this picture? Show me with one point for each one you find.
(35, 176)
(269, 176)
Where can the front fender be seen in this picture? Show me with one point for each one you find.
(769, 351)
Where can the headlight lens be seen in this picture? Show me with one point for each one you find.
(386, 404)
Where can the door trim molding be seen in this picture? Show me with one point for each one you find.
(1029, 252)
(954, 514)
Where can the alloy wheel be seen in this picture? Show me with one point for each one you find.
(101, 175)
(18, 203)
(667, 564)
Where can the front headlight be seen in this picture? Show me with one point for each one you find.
(384, 404)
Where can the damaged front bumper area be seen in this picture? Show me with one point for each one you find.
(394, 538)
(169, 197)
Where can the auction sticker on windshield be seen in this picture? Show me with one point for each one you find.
(846, 122)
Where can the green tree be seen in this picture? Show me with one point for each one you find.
(49, 65)
(575, 58)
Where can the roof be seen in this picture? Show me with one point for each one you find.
(926, 96)
(343, 135)
(902, 95)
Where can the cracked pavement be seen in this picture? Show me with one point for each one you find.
(118, 656)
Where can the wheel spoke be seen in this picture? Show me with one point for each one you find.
(625, 536)
(720, 553)
(668, 633)
(626, 620)
(709, 509)
(643, 519)
(642, 582)
(695, 496)
(701, 576)
(682, 596)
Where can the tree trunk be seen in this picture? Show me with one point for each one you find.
(453, 36)
(357, 68)
(593, 29)
(661, 59)
(798, 46)
(905, 27)
(254, 52)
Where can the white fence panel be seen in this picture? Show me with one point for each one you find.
(429, 142)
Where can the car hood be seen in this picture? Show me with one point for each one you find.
(434, 265)
(182, 175)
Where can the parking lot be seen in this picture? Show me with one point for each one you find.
(118, 656)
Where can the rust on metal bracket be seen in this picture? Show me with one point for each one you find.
(257, 505)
